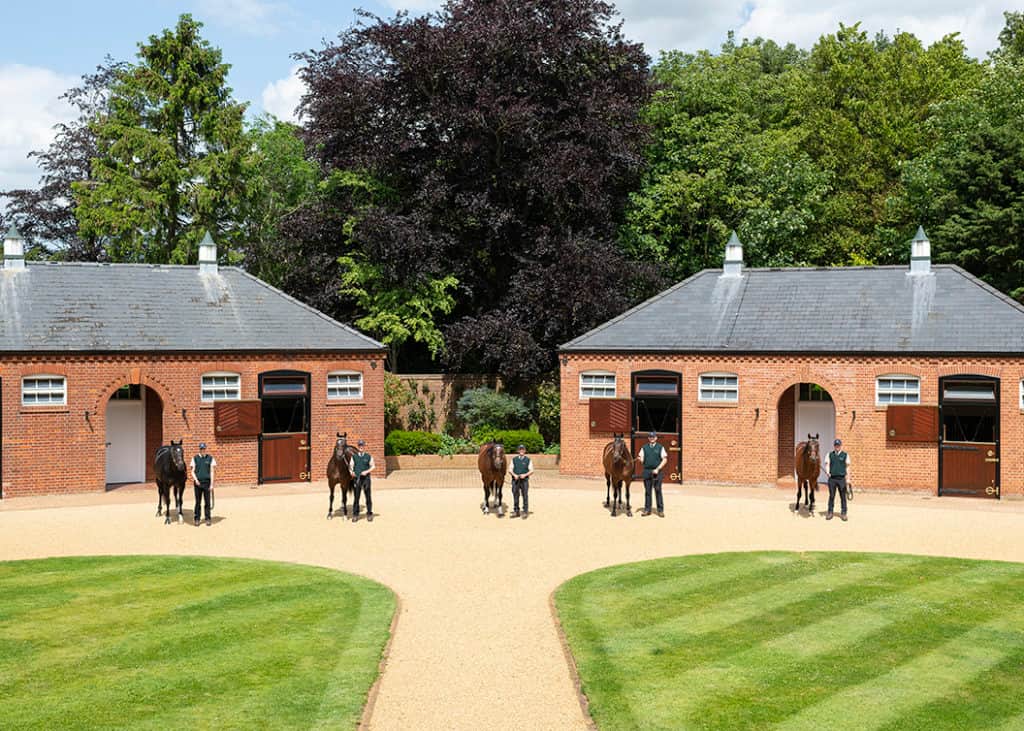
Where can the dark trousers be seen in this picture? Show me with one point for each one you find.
(521, 486)
(202, 490)
(362, 485)
(836, 483)
(652, 480)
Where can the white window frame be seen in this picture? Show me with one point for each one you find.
(56, 393)
(208, 393)
(357, 396)
(903, 392)
(1020, 402)
(591, 390)
(731, 392)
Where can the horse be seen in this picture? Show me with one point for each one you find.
(492, 464)
(339, 473)
(618, 470)
(170, 471)
(808, 466)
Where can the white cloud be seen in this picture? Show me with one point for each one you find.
(27, 119)
(255, 17)
(281, 97)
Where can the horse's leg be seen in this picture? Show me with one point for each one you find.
(330, 504)
(487, 498)
(608, 489)
(159, 502)
(500, 491)
(167, 497)
(616, 498)
(629, 509)
(344, 499)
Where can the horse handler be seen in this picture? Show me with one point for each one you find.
(362, 465)
(837, 467)
(522, 468)
(203, 467)
(654, 459)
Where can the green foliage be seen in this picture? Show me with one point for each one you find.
(171, 153)
(453, 445)
(411, 442)
(421, 416)
(483, 406)
(908, 617)
(79, 649)
(396, 395)
(397, 313)
(549, 410)
(510, 438)
(553, 449)
(969, 190)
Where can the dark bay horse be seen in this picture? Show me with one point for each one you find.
(807, 461)
(340, 474)
(618, 471)
(493, 466)
(170, 472)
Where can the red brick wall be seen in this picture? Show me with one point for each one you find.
(154, 428)
(740, 443)
(57, 450)
(787, 428)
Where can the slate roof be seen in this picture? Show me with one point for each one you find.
(50, 307)
(824, 310)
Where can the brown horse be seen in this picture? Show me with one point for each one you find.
(808, 466)
(492, 464)
(618, 470)
(339, 473)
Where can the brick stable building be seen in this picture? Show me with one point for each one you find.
(100, 364)
(918, 369)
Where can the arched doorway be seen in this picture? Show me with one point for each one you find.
(134, 430)
(803, 408)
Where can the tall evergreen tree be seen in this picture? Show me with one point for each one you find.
(171, 151)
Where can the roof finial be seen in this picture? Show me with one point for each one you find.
(733, 257)
(920, 253)
(14, 249)
(207, 255)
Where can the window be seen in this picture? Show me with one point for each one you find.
(221, 387)
(897, 390)
(344, 385)
(597, 384)
(719, 387)
(813, 392)
(44, 390)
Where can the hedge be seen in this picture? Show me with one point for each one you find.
(512, 438)
(411, 442)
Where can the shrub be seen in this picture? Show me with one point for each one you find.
(412, 442)
(512, 438)
(396, 395)
(482, 406)
(421, 415)
(453, 445)
(553, 449)
(549, 410)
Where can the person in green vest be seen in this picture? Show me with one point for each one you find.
(654, 457)
(522, 468)
(203, 467)
(837, 467)
(362, 465)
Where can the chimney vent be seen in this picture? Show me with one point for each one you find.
(14, 250)
(920, 253)
(733, 257)
(207, 255)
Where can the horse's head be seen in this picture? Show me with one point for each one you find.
(620, 452)
(498, 455)
(812, 447)
(340, 446)
(178, 455)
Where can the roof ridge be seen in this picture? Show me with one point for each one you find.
(986, 287)
(636, 308)
(313, 310)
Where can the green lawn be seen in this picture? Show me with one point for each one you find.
(170, 642)
(800, 641)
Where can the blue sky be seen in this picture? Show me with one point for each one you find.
(48, 45)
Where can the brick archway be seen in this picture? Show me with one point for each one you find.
(157, 404)
(784, 405)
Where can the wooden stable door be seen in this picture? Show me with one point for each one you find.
(673, 468)
(969, 468)
(284, 457)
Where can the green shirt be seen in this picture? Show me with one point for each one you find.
(203, 467)
(361, 462)
(652, 454)
(520, 465)
(837, 464)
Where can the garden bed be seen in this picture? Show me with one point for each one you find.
(457, 462)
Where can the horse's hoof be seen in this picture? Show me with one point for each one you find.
(607, 504)
(181, 519)
(167, 521)
(629, 513)
(330, 516)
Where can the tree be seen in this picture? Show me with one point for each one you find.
(502, 139)
(171, 152)
(46, 215)
(969, 189)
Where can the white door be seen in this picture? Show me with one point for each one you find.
(126, 441)
(816, 417)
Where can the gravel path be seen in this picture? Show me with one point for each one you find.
(475, 645)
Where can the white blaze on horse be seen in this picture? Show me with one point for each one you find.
(340, 474)
(169, 463)
(618, 471)
(492, 465)
(807, 463)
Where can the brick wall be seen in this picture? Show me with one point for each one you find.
(741, 443)
(57, 450)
